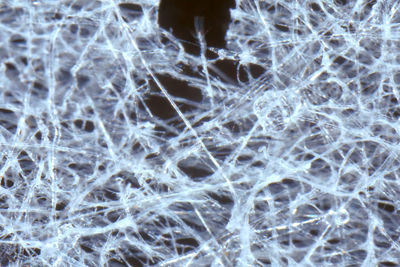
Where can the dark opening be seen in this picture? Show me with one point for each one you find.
(179, 16)
(130, 11)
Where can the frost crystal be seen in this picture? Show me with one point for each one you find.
(125, 142)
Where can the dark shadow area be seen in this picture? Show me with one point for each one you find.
(130, 11)
(180, 88)
(179, 17)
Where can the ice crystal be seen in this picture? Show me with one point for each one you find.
(128, 142)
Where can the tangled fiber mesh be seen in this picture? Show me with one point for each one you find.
(121, 148)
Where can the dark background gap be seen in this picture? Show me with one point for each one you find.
(179, 16)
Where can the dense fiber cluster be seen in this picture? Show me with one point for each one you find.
(124, 145)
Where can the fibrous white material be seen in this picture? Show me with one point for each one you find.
(118, 148)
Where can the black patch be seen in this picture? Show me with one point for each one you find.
(180, 15)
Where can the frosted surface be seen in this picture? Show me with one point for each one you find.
(118, 148)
